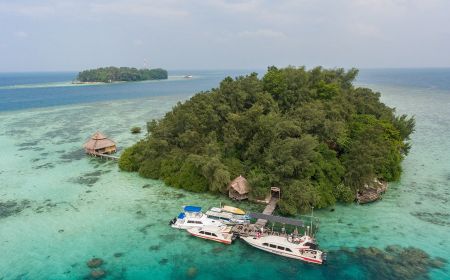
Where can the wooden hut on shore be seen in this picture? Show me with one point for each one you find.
(239, 188)
(99, 144)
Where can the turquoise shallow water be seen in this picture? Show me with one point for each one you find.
(65, 208)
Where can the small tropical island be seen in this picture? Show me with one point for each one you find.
(311, 133)
(120, 74)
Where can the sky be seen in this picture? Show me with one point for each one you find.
(72, 35)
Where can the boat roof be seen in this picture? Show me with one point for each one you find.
(192, 208)
(216, 209)
(233, 210)
(277, 219)
(219, 214)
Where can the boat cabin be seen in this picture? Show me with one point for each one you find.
(192, 217)
(208, 233)
(277, 247)
(216, 233)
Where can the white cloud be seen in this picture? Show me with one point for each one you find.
(261, 33)
(139, 8)
(20, 34)
(138, 42)
(32, 10)
(79, 9)
(237, 6)
(366, 30)
(278, 12)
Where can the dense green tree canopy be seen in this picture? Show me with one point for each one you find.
(309, 132)
(113, 74)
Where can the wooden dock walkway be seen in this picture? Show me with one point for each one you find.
(245, 230)
(268, 211)
(105, 156)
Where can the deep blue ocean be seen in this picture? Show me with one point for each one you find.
(44, 89)
(59, 208)
(35, 90)
(425, 78)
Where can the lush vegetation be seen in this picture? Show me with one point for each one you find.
(310, 132)
(113, 74)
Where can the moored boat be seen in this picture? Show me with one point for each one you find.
(222, 234)
(233, 210)
(193, 217)
(301, 247)
(227, 217)
(304, 248)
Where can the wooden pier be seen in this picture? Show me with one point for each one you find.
(260, 223)
(105, 156)
(246, 230)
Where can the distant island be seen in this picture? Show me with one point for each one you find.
(311, 133)
(120, 74)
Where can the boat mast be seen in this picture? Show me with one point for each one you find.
(312, 216)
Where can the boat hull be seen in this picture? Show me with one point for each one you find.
(223, 241)
(281, 253)
(189, 226)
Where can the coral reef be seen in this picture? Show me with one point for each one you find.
(94, 262)
(394, 262)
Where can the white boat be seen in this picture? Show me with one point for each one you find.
(301, 248)
(222, 234)
(193, 217)
(188, 76)
(226, 217)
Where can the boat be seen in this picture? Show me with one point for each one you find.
(222, 234)
(227, 217)
(292, 245)
(188, 76)
(301, 248)
(193, 217)
(233, 210)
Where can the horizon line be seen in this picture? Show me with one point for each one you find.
(237, 69)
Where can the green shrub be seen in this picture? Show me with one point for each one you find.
(127, 161)
(135, 129)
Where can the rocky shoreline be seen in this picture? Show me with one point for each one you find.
(372, 192)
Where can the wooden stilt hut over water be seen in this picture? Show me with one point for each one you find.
(99, 144)
(239, 188)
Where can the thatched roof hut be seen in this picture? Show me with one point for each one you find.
(239, 188)
(100, 144)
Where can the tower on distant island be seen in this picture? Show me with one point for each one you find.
(145, 64)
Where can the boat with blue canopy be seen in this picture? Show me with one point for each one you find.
(192, 217)
(192, 208)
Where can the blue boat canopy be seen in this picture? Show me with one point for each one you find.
(181, 216)
(192, 208)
